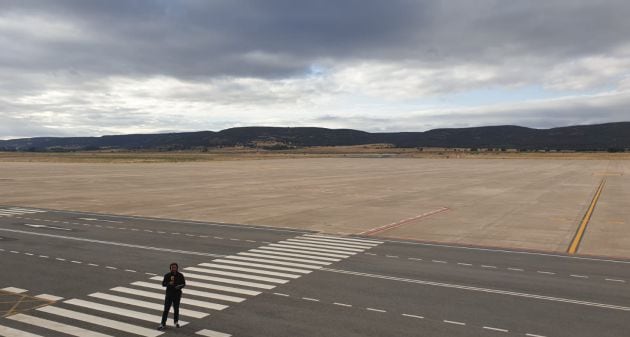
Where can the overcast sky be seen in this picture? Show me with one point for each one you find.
(80, 68)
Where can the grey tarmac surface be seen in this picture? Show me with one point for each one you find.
(260, 281)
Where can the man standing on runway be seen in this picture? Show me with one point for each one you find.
(174, 282)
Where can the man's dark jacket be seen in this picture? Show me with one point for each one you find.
(175, 287)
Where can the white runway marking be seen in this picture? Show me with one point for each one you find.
(144, 304)
(117, 311)
(284, 258)
(291, 245)
(454, 322)
(215, 287)
(343, 304)
(192, 292)
(306, 243)
(290, 264)
(344, 243)
(97, 320)
(230, 281)
(10, 332)
(211, 333)
(49, 297)
(112, 243)
(294, 250)
(339, 238)
(59, 327)
(301, 256)
(160, 296)
(238, 275)
(413, 316)
(248, 270)
(486, 290)
(258, 265)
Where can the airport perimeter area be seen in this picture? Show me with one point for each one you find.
(536, 204)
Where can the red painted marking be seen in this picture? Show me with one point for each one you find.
(402, 222)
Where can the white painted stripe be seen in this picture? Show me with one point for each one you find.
(117, 311)
(28, 209)
(230, 281)
(377, 310)
(10, 332)
(301, 256)
(147, 305)
(120, 244)
(284, 258)
(453, 322)
(96, 320)
(207, 305)
(615, 280)
(259, 265)
(532, 335)
(247, 270)
(215, 287)
(343, 243)
(13, 211)
(342, 304)
(239, 275)
(486, 290)
(211, 333)
(413, 316)
(279, 294)
(340, 238)
(14, 290)
(294, 245)
(495, 329)
(291, 264)
(59, 327)
(49, 297)
(578, 276)
(301, 251)
(193, 292)
(322, 245)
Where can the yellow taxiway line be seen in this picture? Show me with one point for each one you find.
(575, 243)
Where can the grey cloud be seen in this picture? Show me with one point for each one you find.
(210, 38)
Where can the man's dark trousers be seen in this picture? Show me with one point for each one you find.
(171, 298)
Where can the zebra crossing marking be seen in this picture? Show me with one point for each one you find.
(18, 211)
(116, 310)
(211, 333)
(97, 320)
(56, 326)
(10, 332)
(192, 292)
(160, 296)
(148, 305)
(259, 265)
(285, 260)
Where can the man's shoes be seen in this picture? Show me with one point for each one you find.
(161, 327)
(177, 324)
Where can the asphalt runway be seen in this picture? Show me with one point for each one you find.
(94, 275)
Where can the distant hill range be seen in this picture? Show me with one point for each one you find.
(600, 137)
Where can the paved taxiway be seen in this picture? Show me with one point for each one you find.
(97, 274)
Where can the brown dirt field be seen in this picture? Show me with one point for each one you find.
(517, 203)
